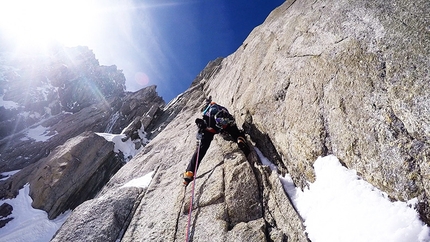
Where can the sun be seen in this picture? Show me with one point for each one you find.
(32, 23)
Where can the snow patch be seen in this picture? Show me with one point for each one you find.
(8, 174)
(39, 133)
(29, 224)
(340, 206)
(8, 104)
(142, 182)
(265, 161)
(128, 147)
(45, 90)
(112, 122)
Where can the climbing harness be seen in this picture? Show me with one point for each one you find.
(199, 139)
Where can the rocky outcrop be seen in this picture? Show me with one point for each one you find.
(143, 106)
(5, 211)
(73, 173)
(108, 218)
(111, 116)
(27, 155)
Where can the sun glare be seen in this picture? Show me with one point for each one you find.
(33, 23)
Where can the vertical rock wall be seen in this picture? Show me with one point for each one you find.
(343, 78)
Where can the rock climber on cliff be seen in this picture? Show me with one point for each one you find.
(216, 119)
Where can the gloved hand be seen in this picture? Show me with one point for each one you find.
(201, 123)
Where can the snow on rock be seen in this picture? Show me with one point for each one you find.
(29, 224)
(8, 104)
(128, 147)
(265, 161)
(6, 175)
(340, 206)
(141, 182)
(39, 133)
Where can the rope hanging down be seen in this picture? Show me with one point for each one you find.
(199, 138)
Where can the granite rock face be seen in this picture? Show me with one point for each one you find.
(72, 173)
(343, 78)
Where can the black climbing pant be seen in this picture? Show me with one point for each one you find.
(207, 138)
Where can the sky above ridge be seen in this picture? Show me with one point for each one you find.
(155, 42)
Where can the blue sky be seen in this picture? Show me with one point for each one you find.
(161, 42)
(174, 41)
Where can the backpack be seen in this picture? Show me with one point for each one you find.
(220, 114)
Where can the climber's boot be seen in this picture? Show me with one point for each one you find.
(241, 142)
(188, 177)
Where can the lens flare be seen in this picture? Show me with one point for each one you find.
(141, 78)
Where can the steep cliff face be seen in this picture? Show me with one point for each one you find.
(316, 78)
(342, 78)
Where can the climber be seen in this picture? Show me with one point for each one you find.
(216, 119)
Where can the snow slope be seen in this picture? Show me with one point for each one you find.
(29, 224)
